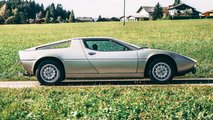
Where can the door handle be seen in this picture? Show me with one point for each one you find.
(92, 53)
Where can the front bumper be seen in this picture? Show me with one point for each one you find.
(193, 70)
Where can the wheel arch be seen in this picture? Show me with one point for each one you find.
(58, 60)
(153, 57)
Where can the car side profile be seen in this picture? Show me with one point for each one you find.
(102, 57)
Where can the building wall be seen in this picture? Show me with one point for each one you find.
(122, 19)
(172, 12)
(144, 13)
(132, 19)
(208, 14)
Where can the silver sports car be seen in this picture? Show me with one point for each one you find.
(100, 57)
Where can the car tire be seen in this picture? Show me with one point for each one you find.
(49, 73)
(161, 71)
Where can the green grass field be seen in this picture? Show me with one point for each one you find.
(192, 38)
(135, 102)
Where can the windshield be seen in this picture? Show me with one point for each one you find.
(130, 45)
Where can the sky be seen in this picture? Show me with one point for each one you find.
(110, 8)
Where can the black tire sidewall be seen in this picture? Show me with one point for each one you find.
(60, 74)
(166, 61)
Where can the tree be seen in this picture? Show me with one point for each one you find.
(3, 10)
(2, 3)
(177, 2)
(42, 7)
(72, 17)
(22, 17)
(47, 17)
(53, 12)
(32, 10)
(99, 18)
(59, 19)
(10, 20)
(39, 15)
(37, 8)
(8, 13)
(158, 12)
(2, 20)
(23, 10)
(59, 10)
(102, 19)
(16, 13)
(68, 15)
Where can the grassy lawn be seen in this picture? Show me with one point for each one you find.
(138, 102)
(192, 38)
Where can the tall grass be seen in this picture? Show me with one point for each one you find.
(192, 38)
(136, 102)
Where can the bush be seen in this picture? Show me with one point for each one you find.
(209, 17)
(146, 19)
(104, 20)
(166, 18)
(185, 17)
(115, 19)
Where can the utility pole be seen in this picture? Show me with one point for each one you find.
(124, 13)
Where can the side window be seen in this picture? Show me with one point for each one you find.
(56, 46)
(104, 45)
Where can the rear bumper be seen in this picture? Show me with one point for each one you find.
(28, 66)
(193, 70)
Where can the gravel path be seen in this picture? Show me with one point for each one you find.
(89, 83)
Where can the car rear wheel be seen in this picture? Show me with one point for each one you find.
(161, 71)
(49, 73)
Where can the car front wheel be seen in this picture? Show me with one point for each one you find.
(49, 73)
(161, 71)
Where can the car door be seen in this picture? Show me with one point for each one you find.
(108, 56)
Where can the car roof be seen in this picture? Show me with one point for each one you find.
(80, 38)
(67, 40)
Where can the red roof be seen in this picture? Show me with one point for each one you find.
(211, 11)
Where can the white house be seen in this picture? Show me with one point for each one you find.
(132, 18)
(84, 19)
(183, 10)
(146, 11)
(129, 18)
(123, 18)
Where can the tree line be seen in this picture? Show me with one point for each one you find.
(26, 11)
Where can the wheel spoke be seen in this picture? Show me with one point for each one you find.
(49, 72)
(161, 71)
